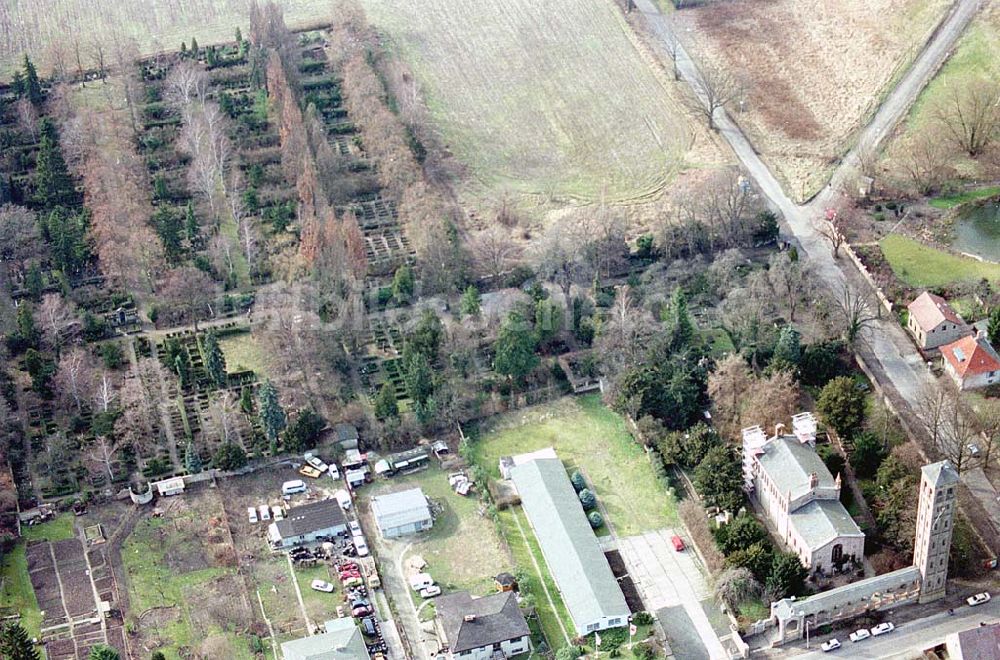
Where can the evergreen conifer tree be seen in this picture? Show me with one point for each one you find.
(272, 415)
(215, 363)
(15, 643)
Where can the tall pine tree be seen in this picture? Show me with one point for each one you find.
(679, 325)
(15, 643)
(215, 363)
(31, 88)
(272, 415)
(192, 460)
(993, 328)
(53, 185)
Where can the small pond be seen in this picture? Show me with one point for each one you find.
(977, 231)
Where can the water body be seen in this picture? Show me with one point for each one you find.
(977, 231)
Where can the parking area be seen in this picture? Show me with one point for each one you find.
(673, 586)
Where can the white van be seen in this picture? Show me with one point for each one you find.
(360, 546)
(278, 513)
(293, 487)
(421, 581)
(251, 514)
(344, 498)
(265, 512)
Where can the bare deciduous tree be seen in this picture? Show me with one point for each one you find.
(926, 162)
(557, 255)
(788, 279)
(621, 342)
(715, 88)
(73, 377)
(969, 112)
(859, 313)
(20, 242)
(494, 252)
(58, 319)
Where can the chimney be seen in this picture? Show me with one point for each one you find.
(469, 618)
(779, 428)
(813, 480)
(837, 480)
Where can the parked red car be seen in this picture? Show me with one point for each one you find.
(678, 543)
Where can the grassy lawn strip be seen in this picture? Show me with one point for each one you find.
(523, 551)
(951, 201)
(59, 528)
(319, 605)
(16, 592)
(587, 435)
(923, 266)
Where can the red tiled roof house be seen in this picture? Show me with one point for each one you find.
(933, 323)
(971, 362)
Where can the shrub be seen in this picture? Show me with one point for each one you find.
(230, 457)
(578, 481)
(596, 519)
(587, 499)
(642, 618)
(841, 404)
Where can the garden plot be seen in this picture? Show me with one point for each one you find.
(551, 99)
(184, 589)
(814, 70)
(62, 584)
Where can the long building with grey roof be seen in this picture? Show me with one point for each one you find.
(571, 551)
(800, 497)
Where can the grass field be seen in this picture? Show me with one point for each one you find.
(587, 435)
(16, 592)
(951, 201)
(52, 29)
(183, 598)
(547, 98)
(920, 265)
(462, 549)
(243, 352)
(814, 70)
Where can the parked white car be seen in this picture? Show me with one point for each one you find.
(883, 628)
(315, 461)
(252, 514)
(334, 472)
(278, 513)
(978, 599)
(830, 645)
(355, 528)
(361, 546)
(430, 592)
(859, 635)
(321, 585)
(421, 581)
(264, 511)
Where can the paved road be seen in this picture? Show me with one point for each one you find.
(897, 358)
(908, 640)
(673, 585)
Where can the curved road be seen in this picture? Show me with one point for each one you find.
(902, 366)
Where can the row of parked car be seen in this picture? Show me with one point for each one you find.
(887, 627)
(265, 513)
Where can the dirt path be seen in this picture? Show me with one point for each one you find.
(267, 622)
(541, 580)
(298, 594)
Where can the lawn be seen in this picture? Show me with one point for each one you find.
(524, 548)
(319, 605)
(59, 528)
(920, 265)
(588, 436)
(16, 592)
(54, 29)
(951, 201)
(242, 352)
(462, 549)
(552, 99)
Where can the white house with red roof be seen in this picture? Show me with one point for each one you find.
(971, 362)
(933, 323)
